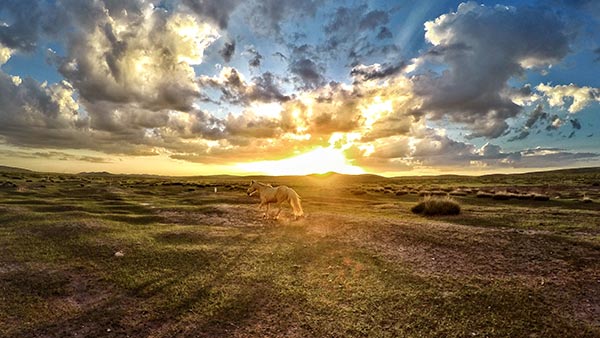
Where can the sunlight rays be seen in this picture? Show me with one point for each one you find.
(317, 161)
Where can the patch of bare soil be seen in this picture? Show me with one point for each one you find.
(534, 259)
(226, 215)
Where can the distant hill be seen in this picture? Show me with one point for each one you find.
(7, 169)
(334, 176)
(95, 173)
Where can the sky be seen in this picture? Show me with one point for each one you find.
(200, 87)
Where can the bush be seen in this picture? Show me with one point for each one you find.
(540, 197)
(458, 193)
(483, 194)
(436, 206)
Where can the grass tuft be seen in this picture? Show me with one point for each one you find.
(437, 206)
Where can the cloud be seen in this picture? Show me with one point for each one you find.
(217, 11)
(384, 33)
(227, 51)
(307, 73)
(54, 155)
(235, 89)
(255, 57)
(267, 16)
(24, 31)
(147, 60)
(536, 115)
(37, 114)
(356, 32)
(375, 71)
(5, 54)
(521, 136)
(581, 96)
(482, 48)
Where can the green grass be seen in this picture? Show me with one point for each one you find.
(197, 263)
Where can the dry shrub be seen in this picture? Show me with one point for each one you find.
(437, 206)
(586, 199)
(458, 193)
(483, 194)
(540, 197)
(502, 196)
(401, 192)
(358, 192)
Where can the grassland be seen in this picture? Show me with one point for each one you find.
(116, 256)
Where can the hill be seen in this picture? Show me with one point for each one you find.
(7, 169)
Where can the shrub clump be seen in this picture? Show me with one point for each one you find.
(437, 206)
(540, 197)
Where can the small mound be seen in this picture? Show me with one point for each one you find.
(436, 206)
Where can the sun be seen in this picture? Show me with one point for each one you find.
(317, 161)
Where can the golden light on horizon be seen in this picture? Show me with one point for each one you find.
(318, 161)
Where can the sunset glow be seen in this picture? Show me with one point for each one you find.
(318, 161)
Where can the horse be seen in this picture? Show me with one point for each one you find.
(278, 195)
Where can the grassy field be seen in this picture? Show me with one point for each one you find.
(117, 256)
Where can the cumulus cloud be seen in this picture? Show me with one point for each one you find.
(37, 114)
(581, 96)
(483, 47)
(131, 86)
(144, 60)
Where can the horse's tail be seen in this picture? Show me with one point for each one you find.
(295, 203)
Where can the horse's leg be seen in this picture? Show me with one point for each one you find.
(278, 211)
(266, 215)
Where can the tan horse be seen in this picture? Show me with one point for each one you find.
(277, 195)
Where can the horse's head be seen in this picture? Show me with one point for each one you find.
(253, 188)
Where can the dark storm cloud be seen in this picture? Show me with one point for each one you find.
(483, 48)
(227, 51)
(218, 11)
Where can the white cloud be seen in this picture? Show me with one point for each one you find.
(581, 96)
